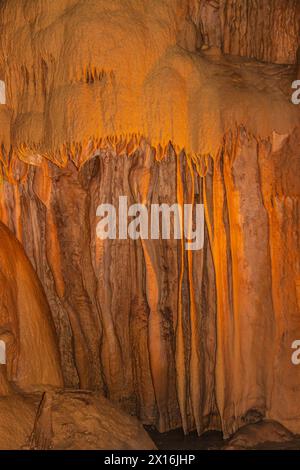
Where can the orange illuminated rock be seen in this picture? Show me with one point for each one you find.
(259, 434)
(137, 70)
(17, 418)
(74, 420)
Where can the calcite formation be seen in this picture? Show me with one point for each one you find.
(258, 434)
(17, 415)
(75, 420)
(162, 101)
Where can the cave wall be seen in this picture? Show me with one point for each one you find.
(161, 104)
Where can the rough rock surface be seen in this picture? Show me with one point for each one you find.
(26, 325)
(67, 420)
(258, 434)
(140, 99)
(266, 30)
(74, 420)
(17, 418)
(141, 79)
(78, 272)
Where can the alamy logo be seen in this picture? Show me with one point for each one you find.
(296, 94)
(188, 222)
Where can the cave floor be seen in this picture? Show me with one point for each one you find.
(176, 440)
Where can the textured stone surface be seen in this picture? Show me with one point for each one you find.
(26, 325)
(107, 344)
(67, 420)
(74, 420)
(200, 339)
(267, 30)
(258, 434)
(92, 282)
(146, 78)
(17, 418)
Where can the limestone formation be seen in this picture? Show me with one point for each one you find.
(74, 420)
(254, 435)
(17, 418)
(162, 101)
(26, 327)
